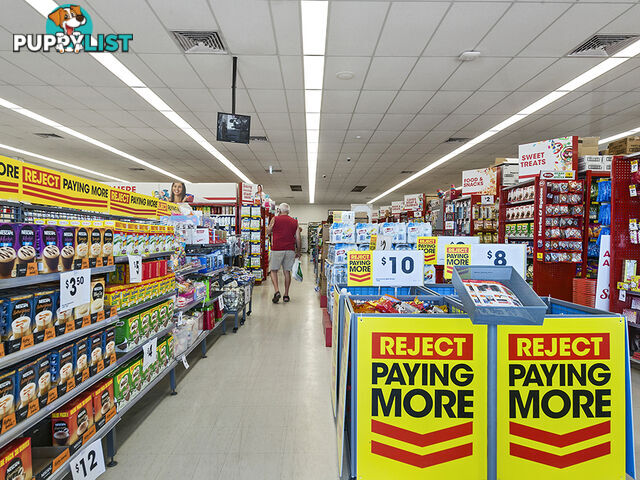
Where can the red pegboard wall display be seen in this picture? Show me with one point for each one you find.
(623, 208)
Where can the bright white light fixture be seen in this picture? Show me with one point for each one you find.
(60, 162)
(28, 113)
(617, 136)
(314, 36)
(111, 63)
(591, 74)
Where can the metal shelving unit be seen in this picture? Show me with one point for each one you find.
(21, 355)
(188, 306)
(129, 354)
(48, 277)
(150, 256)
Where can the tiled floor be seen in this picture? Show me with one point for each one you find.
(257, 408)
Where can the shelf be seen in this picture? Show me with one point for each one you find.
(65, 468)
(213, 299)
(145, 305)
(521, 184)
(125, 258)
(17, 357)
(146, 389)
(49, 277)
(188, 306)
(519, 238)
(189, 269)
(519, 202)
(520, 220)
(129, 354)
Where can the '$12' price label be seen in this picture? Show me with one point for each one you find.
(89, 465)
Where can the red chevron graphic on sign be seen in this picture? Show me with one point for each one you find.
(421, 439)
(560, 461)
(557, 440)
(360, 276)
(421, 461)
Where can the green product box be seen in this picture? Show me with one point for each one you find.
(163, 358)
(163, 320)
(136, 375)
(128, 332)
(530, 229)
(145, 324)
(170, 308)
(122, 385)
(154, 325)
(170, 348)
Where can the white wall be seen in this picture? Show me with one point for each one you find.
(314, 213)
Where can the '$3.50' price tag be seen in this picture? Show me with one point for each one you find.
(89, 465)
(74, 288)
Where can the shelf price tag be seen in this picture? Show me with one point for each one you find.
(135, 268)
(398, 267)
(150, 354)
(90, 464)
(74, 288)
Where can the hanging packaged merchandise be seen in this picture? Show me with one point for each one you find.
(604, 215)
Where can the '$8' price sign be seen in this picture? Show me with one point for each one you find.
(501, 254)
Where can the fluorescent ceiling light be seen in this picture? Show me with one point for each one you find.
(314, 36)
(111, 63)
(313, 72)
(60, 162)
(86, 138)
(313, 100)
(618, 136)
(314, 26)
(591, 74)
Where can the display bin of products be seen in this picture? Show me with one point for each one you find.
(375, 385)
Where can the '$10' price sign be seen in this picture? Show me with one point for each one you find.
(401, 267)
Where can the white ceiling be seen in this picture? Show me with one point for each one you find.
(409, 92)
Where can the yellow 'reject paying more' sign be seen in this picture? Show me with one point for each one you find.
(359, 268)
(430, 247)
(455, 255)
(421, 408)
(561, 400)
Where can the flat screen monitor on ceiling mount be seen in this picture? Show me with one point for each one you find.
(233, 128)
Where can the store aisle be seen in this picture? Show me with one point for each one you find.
(257, 408)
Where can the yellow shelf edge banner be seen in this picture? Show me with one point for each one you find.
(24, 182)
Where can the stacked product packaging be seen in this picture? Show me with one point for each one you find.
(142, 238)
(155, 283)
(31, 315)
(134, 329)
(131, 378)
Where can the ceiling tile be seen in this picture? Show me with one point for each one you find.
(388, 73)
(354, 27)
(358, 66)
(372, 101)
(245, 26)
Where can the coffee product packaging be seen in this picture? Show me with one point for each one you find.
(27, 387)
(81, 360)
(128, 332)
(8, 392)
(67, 241)
(136, 374)
(27, 250)
(15, 460)
(44, 314)
(95, 242)
(45, 378)
(72, 421)
(79, 314)
(103, 401)
(122, 385)
(81, 259)
(96, 353)
(107, 238)
(62, 317)
(65, 362)
(48, 241)
(8, 249)
(18, 329)
(109, 346)
(97, 297)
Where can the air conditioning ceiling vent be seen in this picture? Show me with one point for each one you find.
(200, 42)
(603, 45)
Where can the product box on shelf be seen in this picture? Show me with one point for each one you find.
(96, 353)
(18, 322)
(45, 379)
(48, 243)
(63, 363)
(27, 250)
(109, 346)
(145, 320)
(82, 315)
(45, 306)
(81, 360)
(170, 347)
(97, 299)
(135, 367)
(128, 332)
(154, 325)
(8, 246)
(72, 421)
(107, 240)
(595, 162)
(62, 317)
(67, 235)
(163, 357)
(625, 146)
(122, 385)
(95, 242)
(103, 401)
(7, 398)
(15, 460)
(81, 259)
(27, 388)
